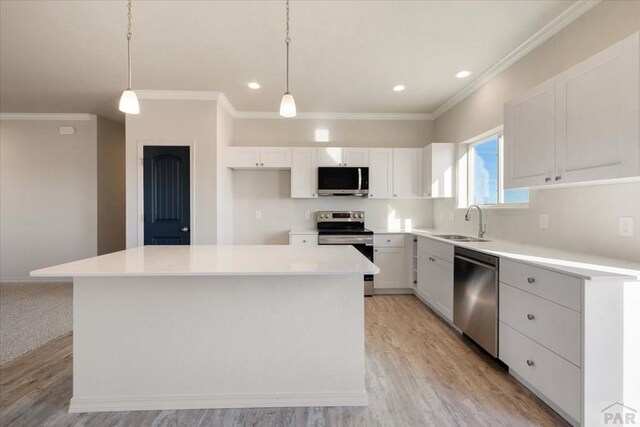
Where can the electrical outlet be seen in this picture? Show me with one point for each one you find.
(544, 221)
(625, 226)
(307, 215)
(258, 214)
(451, 218)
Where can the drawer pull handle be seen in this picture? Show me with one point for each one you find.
(531, 316)
(530, 362)
(304, 241)
(531, 279)
(432, 259)
(388, 240)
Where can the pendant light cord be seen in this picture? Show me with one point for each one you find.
(129, 41)
(287, 41)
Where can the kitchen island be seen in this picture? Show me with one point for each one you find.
(177, 327)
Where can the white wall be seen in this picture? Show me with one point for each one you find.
(48, 195)
(225, 178)
(111, 186)
(342, 133)
(171, 121)
(583, 219)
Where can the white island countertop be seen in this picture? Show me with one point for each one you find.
(209, 260)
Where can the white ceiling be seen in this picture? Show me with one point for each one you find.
(70, 56)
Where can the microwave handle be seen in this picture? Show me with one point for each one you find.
(359, 178)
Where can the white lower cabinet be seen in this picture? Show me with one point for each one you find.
(550, 374)
(303, 239)
(391, 262)
(435, 275)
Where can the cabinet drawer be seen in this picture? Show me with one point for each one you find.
(549, 373)
(557, 287)
(303, 239)
(389, 240)
(554, 326)
(440, 249)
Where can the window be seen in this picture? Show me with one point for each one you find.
(485, 175)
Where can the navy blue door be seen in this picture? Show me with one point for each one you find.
(166, 196)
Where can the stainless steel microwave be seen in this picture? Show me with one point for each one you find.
(343, 181)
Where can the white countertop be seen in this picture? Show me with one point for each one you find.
(309, 231)
(205, 260)
(577, 264)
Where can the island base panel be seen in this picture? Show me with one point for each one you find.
(144, 343)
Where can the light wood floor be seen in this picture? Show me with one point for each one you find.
(419, 373)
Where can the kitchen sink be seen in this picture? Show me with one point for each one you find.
(460, 238)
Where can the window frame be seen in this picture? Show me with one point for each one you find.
(469, 199)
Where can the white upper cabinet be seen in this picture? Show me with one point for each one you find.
(355, 157)
(407, 173)
(380, 173)
(439, 170)
(597, 125)
(304, 173)
(336, 156)
(275, 157)
(580, 126)
(330, 156)
(530, 137)
(243, 157)
(259, 157)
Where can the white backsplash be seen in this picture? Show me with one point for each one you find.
(270, 193)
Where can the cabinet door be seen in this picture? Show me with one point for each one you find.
(381, 173)
(530, 137)
(304, 172)
(438, 166)
(407, 167)
(275, 157)
(330, 156)
(426, 286)
(303, 239)
(355, 157)
(443, 284)
(597, 129)
(391, 262)
(243, 157)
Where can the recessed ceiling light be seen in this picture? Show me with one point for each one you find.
(254, 85)
(463, 74)
(398, 88)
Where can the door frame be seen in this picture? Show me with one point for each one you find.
(192, 167)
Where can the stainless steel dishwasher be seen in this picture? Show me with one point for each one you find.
(475, 297)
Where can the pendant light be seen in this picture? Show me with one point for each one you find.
(288, 104)
(129, 100)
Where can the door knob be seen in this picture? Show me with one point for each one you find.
(184, 229)
(547, 179)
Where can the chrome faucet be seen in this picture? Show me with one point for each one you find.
(482, 228)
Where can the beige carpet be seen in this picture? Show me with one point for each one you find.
(32, 314)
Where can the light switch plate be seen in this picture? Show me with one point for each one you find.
(544, 221)
(258, 214)
(625, 226)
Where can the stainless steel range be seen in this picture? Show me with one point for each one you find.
(347, 228)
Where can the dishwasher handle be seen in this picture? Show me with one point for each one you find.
(476, 262)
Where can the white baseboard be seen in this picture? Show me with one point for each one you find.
(283, 400)
(28, 279)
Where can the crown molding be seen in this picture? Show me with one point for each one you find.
(47, 116)
(574, 11)
(224, 102)
(334, 116)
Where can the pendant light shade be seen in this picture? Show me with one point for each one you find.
(288, 106)
(129, 102)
